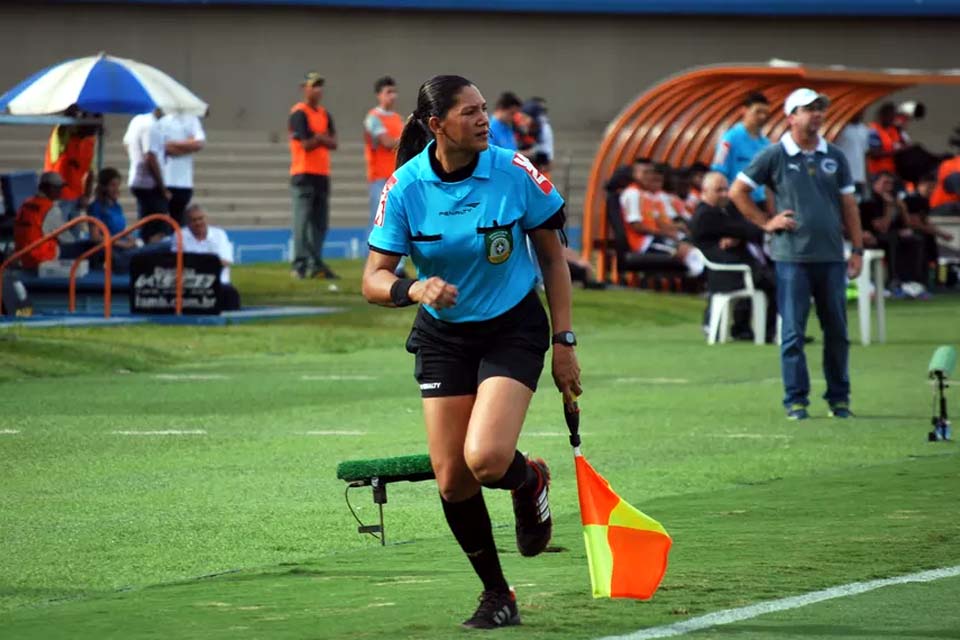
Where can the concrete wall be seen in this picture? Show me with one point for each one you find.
(246, 61)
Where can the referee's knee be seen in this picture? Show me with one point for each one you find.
(488, 466)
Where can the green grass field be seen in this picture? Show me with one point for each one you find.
(226, 519)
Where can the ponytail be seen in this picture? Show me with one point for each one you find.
(435, 98)
(414, 139)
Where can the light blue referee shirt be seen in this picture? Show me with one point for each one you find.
(469, 233)
(736, 149)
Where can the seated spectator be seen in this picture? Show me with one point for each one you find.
(200, 237)
(649, 230)
(885, 226)
(106, 208)
(31, 223)
(501, 121)
(726, 237)
(673, 204)
(581, 270)
(695, 173)
(945, 199)
(918, 209)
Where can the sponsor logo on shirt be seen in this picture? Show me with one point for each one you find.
(467, 208)
(429, 386)
(829, 166)
(538, 178)
(381, 208)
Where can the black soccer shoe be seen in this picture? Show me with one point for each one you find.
(532, 510)
(497, 609)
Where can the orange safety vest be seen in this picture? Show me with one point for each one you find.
(940, 197)
(28, 228)
(316, 162)
(381, 161)
(888, 137)
(73, 163)
(651, 211)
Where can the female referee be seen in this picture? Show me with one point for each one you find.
(462, 210)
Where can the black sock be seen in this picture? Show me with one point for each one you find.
(470, 524)
(519, 475)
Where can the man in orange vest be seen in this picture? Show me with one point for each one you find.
(945, 198)
(71, 152)
(312, 137)
(884, 142)
(36, 217)
(381, 133)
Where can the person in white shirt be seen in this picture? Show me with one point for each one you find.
(854, 141)
(183, 136)
(200, 237)
(144, 143)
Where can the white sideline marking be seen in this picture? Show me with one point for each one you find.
(652, 381)
(191, 376)
(338, 377)
(162, 432)
(757, 436)
(9, 432)
(784, 604)
(335, 433)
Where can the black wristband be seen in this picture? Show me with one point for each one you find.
(857, 251)
(400, 292)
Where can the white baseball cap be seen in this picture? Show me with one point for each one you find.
(803, 97)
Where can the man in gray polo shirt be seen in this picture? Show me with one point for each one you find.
(814, 196)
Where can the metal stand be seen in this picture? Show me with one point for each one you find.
(379, 498)
(941, 424)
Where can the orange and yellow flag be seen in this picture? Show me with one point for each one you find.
(626, 549)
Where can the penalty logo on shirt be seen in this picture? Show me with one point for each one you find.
(499, 245)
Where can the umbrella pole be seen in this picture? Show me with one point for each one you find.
(99, 149)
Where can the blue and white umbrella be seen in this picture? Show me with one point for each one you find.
(100, 84)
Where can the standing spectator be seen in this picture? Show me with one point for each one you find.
(814, 196)
(542, 151)
(71, 152)
(183, 136)
(381, 132)
(726, 237)
(200, 237)
(739, 145)
(885, 225)
(501, 124)
(945, 199)
(312, 138)
(885, 141)
(144, 143)
(854, 141)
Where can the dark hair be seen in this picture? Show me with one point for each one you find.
(385, 81)
(698, 167)
(755, 97)
(882, 174)
(661, 168)
(435, 98)
(930, 176)
(508, 100)
(642, 160)
(104, 178)
(887, 108)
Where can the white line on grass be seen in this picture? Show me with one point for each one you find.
(162, 432)
(651, 381)
(191, 376)
(9, 432)
(751, 436)
(335, 432)
(784, 604)
(332, 378)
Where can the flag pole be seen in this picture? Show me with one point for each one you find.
(571, 412)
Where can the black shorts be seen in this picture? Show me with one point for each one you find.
(453, 358)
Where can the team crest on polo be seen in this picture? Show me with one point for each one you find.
(499, 245)
(829, 166)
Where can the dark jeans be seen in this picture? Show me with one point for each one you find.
(904, 256)
(311, 217)
(826, 283)
(179, 199)
(151, 201)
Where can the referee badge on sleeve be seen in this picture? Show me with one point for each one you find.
(499, 245)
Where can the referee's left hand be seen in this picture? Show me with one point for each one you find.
(566, 371)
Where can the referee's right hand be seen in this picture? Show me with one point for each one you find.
(434, 292)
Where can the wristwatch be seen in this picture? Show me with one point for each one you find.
(566, 338)
(857, 251)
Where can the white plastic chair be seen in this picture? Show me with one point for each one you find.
(721, 305)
